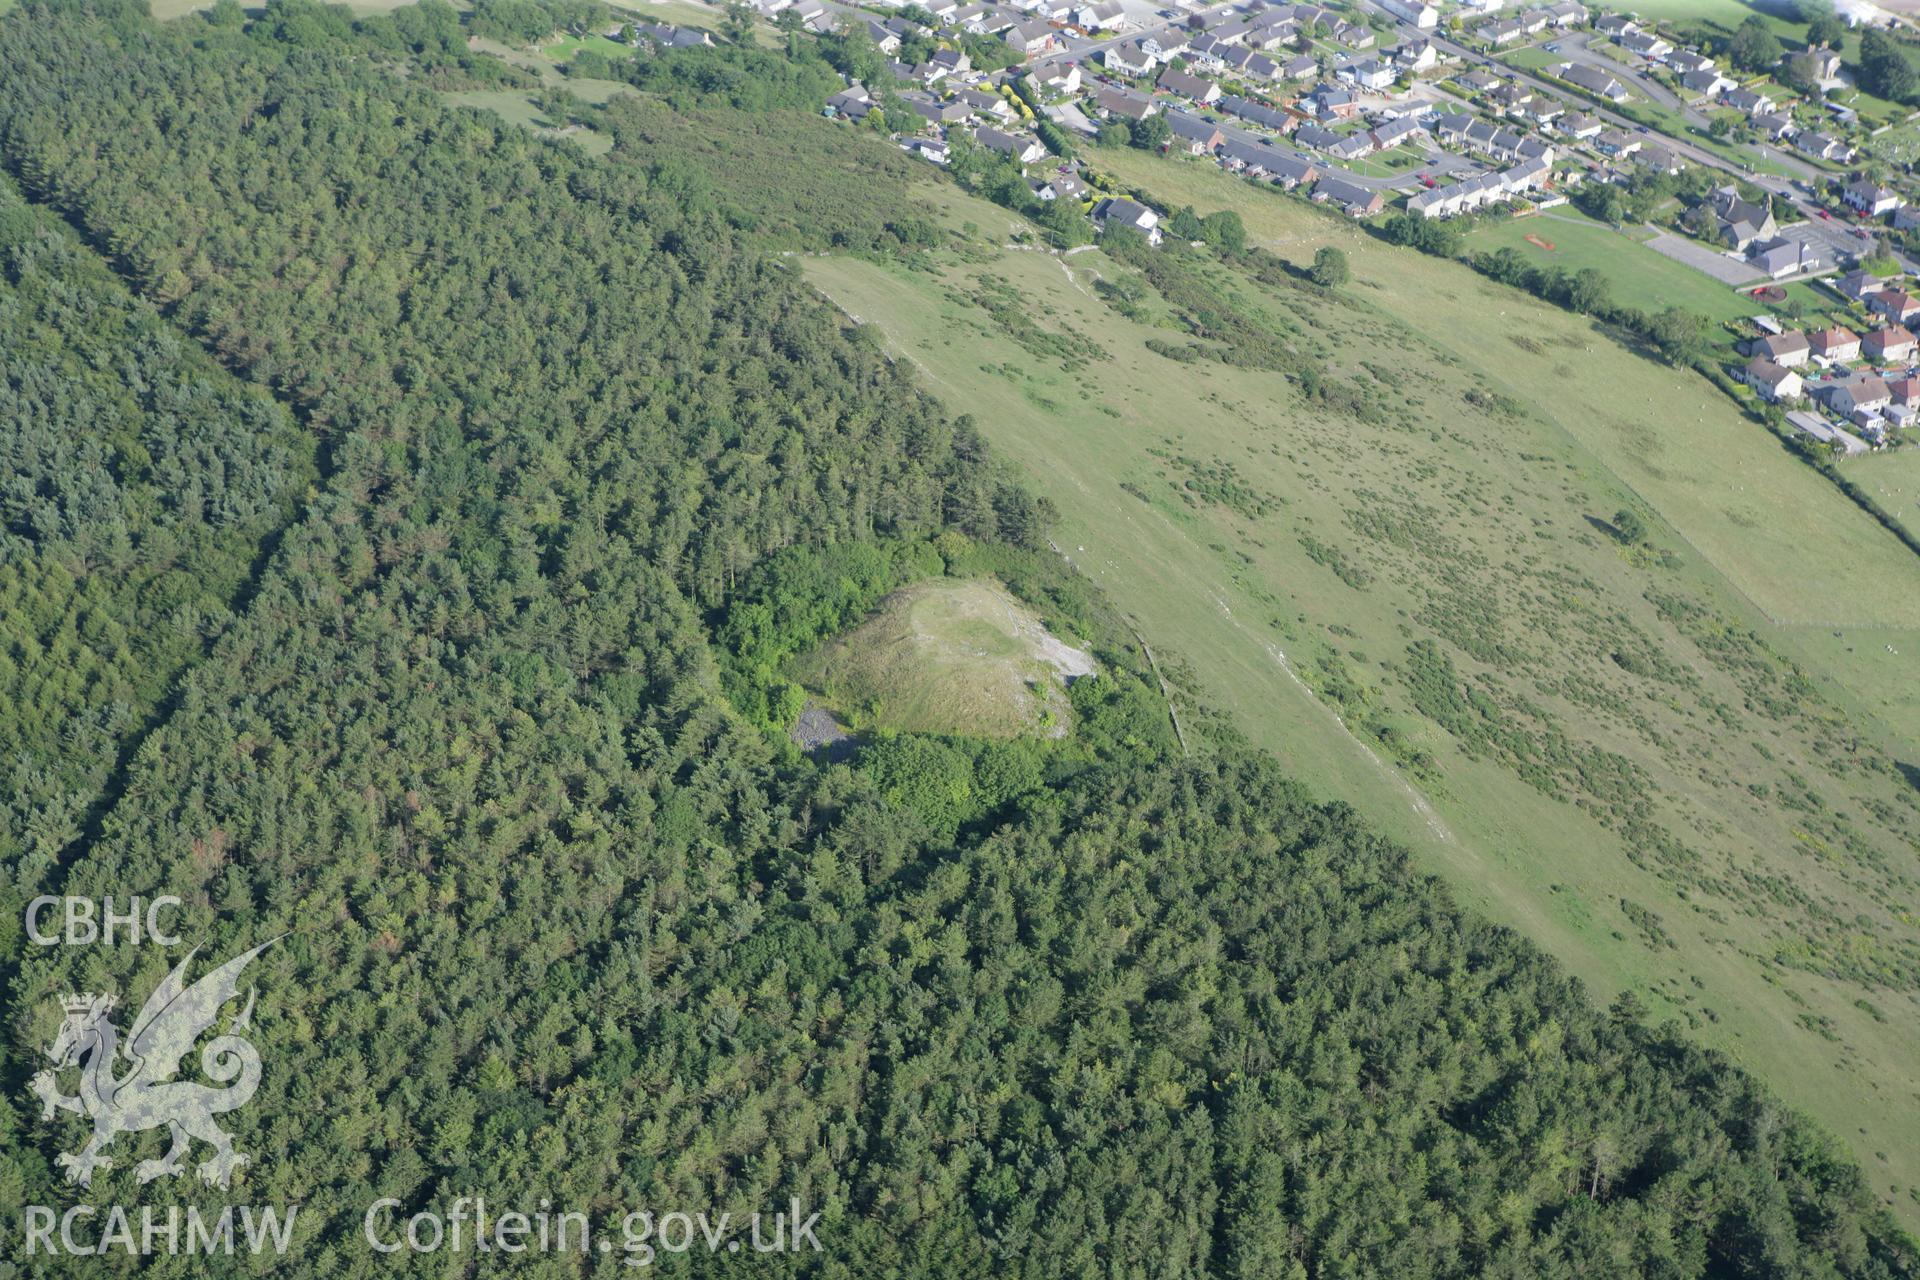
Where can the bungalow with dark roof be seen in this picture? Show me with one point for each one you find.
(1193, 135)
(1592, 79)
(1193, 88)
(1125, 106)
(1128, 213)
(1022, 148)
(1350, 197)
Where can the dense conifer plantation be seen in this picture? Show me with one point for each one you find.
(458, 716)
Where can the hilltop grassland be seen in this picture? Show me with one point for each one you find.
(1379, 526)
(949, 656)
(1792, 546)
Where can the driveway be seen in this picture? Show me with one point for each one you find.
(1575, 48)
(1706, 259)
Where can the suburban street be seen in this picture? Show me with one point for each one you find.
(1682, 146)
(1439, 164)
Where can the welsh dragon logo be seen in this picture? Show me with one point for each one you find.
(147, 1096)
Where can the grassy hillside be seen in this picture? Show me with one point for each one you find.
(1893, 478)
(1406, 582)
(949, 656)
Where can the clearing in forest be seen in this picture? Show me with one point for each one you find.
(959, 656)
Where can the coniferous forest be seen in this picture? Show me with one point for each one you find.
(401, 521)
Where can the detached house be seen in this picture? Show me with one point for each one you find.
(1856, 285)
(1826, 63)
(1418, 55)
(852, 102)
(1582, 127)
(1063, 185)
(1784, 256)
(1824, 145)
(662, 36)
(1706, 84)
(1330, 103)
(1022, 148)
(1395, 132)
(1503, 32)
(1645, 43)
(1032, 39)
(1369, 73)
(1129, 59)
(1418, 12)
(990, 105)
(1128, 213)
(1061, 77)
(1592, 79)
